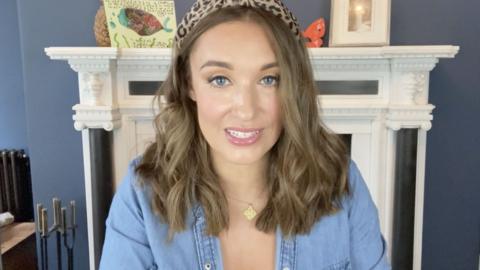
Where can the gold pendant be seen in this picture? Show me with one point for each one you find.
(249, 213)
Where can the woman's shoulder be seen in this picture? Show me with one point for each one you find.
(353, 206)
(350, 236)
(136, 195)
(358, 189)
(131, 204)
(130, 184)
(339, 223)
(129, 190)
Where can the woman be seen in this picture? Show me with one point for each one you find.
(243, 174)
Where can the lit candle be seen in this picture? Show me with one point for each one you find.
(359, 12)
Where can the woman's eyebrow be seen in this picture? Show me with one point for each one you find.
(215, 63)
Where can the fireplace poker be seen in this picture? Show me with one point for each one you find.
(40, 231)
(56, 226)
(73, 224)
(68, 247)
(45, 236)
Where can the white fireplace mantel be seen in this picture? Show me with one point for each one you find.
(401, 74)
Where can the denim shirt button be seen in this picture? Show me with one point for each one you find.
(286, 268)
(207, 266)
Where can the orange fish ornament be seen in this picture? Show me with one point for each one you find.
(314, 33)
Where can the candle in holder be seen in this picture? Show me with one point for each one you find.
(359, 12)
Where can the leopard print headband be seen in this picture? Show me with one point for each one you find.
(202, 8)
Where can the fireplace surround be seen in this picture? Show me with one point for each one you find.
(376, 97)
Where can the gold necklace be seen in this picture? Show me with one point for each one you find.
(249, 212)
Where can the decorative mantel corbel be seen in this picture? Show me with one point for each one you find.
(98, 105)
(409, 106)
(399, 117)
(96, 68)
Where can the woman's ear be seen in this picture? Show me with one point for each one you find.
(191, 94)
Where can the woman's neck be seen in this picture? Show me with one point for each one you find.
(246, 182)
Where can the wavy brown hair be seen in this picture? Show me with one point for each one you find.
(307, 174)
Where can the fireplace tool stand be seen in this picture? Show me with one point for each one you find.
(60, 229)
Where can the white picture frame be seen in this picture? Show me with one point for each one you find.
(360, 23)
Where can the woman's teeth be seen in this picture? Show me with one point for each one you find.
(242, 135)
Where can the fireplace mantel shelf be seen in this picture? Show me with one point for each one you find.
(385, 52)
(398, 75)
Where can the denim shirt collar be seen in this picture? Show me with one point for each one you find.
(208, 248)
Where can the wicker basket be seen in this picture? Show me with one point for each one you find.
(100, 28)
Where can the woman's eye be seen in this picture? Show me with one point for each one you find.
(219, 81)
(270, 80)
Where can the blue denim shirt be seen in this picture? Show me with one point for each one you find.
(135, 238)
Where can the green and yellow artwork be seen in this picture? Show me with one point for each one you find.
(141, 23)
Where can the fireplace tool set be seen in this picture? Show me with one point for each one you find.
(60, 229)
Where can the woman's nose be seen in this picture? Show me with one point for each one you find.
(245, 102)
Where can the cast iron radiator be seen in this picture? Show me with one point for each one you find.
(16, 185)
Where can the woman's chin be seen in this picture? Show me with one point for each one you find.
(242, 158)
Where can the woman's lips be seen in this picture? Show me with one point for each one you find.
(243, 136)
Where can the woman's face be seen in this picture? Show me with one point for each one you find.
(235, 81)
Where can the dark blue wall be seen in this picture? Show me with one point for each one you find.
(451, 228)
(451, 237)
(13, 128)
